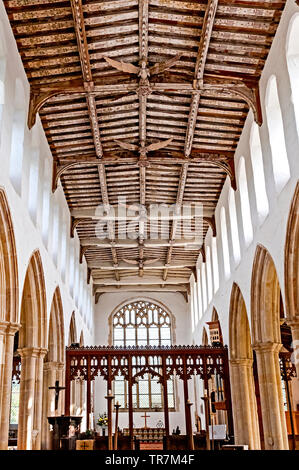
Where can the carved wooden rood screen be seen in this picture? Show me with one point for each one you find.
(182, 362)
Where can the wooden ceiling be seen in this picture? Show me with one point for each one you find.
(111, 78)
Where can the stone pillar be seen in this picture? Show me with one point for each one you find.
(29, 428)
(273, 415)
(7, 333)
(295, 335)
(246, 428)
(38, 399)
(49, 373)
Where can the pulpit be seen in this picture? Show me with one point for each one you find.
(63, 432)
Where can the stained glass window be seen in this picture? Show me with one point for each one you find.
(142, 323)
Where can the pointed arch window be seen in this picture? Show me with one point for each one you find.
(225, 248)
(234, 226)
(245, 204)
(262, 203)
(142, 323)
(281, 168)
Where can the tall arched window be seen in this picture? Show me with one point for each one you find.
(55, 233)
(199, 295)
(204, 286)
(142, 323)
(281, 169)
(46, 202)
(293, 63)
(33, 183)
(209, 274)
(262, 203)
(245, 205)
(17, 138)
(225, 249)
(215, 264)
(234, 226)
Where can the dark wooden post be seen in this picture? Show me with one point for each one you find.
(67, 384)
(205, 398)
(88, 393)
(188, 421)
(190, 434)
(130, 393)
(165, 396)
(109, 403)
(109, 399)
(117, 407)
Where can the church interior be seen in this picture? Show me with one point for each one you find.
(149, 225)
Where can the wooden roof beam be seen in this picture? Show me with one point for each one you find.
(77, 11)
(179, 201)
(137, 288)
(135, 280)
(90, 243)
(206, 33)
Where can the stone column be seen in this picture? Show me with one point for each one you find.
(273, 415)
(49, 373)
(7, 333)
(294, 324)
(29, 428)
(246, 428)
(38, 399)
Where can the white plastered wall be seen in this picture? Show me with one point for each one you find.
(272, 232)
(28, 229)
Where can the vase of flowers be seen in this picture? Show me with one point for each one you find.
(103, 422)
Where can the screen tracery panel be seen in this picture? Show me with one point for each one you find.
(142, 323)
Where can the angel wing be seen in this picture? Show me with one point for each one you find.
(151, 261)
(122, 66)
(158, 145)
(131, 261)
(162, 66)
(126, 145)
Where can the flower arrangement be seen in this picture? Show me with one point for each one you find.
(103, 420)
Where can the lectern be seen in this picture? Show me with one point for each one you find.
(61, 428)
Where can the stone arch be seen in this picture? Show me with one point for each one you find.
(81, 341)
(265, 298)
(265, 321)
(244, 404)
(9, 287)
(56, 330)
(53, 368)
(32, 349)
(291, 262)
(9, 299)
(72, 338)
(291, 270)
(239, 331)
(205, 337)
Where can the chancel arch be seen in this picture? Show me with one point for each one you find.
(244, 404)
(9, 322)
(32, 348)
(53, 368)
(266, 340)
